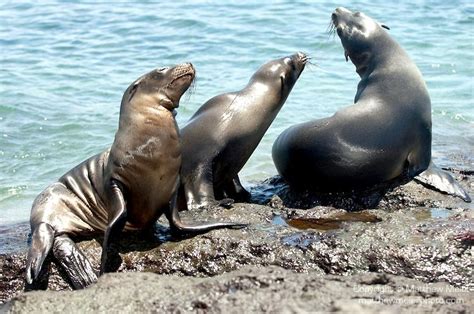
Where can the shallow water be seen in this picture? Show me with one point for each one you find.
(64, 67)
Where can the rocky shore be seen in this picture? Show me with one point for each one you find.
(299, 254)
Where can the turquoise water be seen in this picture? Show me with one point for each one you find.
(65, 65)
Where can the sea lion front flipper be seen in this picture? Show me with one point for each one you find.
(199, 191)
(440, 180)
(236, 191)
(117, 218)
(180, 228)
(42, 241)
(74, 263)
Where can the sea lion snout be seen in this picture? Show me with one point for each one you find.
(301, 57)
(181, 77)
(301, 54)
(341, 11)
(296, 61)
(185, 69)
(341, 15)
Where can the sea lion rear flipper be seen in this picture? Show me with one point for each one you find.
(440, 180)
(117, 219)
(180, 228)
(74, 263)
(42, 241)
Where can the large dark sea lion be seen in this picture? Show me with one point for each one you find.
(220, 137)
(384, 137)
(127, 187)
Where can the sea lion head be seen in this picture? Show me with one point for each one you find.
(360, 35)
(163, 87)
(281, 74)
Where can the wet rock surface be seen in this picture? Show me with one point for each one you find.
(414, 233)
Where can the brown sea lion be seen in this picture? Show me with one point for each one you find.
(126, 187)
(221, 136)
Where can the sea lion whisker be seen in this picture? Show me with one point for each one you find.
(305, 58)
(192, 89)
(311, 63)
(331, 29)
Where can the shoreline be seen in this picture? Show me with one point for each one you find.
(418, 235)
(15, 235)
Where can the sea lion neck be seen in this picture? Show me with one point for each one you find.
(379, 55)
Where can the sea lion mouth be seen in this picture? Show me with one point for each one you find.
(189, 76)
(182, 77)
(302, 59)
(339, 19)
(334, 19)
(338, 26)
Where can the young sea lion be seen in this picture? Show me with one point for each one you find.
(220, 137)
(126, 187)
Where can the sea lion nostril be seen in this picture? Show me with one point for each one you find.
(188, 65)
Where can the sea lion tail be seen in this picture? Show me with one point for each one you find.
(440, 180)
(42, 240)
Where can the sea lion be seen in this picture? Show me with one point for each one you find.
(220, 137)
(384, 137)
(126, 187)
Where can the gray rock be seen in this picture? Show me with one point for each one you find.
(251, 290)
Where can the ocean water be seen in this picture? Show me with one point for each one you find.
(64, 66)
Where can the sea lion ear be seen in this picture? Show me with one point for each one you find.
(385, 26)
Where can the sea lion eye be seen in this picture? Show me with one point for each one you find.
(162, 70)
